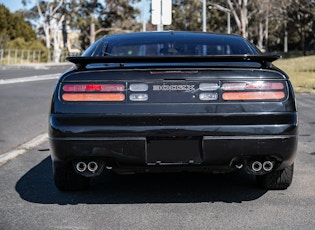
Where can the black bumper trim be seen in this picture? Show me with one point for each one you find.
(213, 150)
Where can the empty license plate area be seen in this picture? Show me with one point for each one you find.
(161, 152)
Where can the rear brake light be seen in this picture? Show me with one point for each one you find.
(93, 97)
(93, 88)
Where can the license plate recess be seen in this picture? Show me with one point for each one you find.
(161, 152)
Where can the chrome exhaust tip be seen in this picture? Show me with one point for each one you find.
(257, 166)
(81, 166)
(92, 166)
(267, 166)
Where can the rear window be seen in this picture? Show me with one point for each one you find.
(168, 45)
(173, 49)
(180, 47)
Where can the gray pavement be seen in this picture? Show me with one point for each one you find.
(29, 199)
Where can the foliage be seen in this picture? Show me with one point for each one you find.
(4, 39)
(94, 19)
(21, 44)
(301, 19)
(296, 18)
(13, 26)
(187, 16)
(120, 15)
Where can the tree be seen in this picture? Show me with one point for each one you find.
(274, 23)
(271, 24)
(242, 11)
(95, 19)
(83, 17)
(290, 23)
(187, 16)
(50, 19)
(264, 13)
(14, 26)
(301, 16)
(120, 16)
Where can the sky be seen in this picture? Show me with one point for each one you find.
(13, 5)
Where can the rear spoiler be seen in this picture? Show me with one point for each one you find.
(82, 62)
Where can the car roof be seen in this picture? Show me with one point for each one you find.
(171, 33)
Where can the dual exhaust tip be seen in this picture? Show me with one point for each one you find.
(91, 166)
(258, 166)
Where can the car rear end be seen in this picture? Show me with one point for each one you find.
(187, 119)
(181, 115)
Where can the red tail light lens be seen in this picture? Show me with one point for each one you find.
(255, 90)
(257, 85)
(93, 92)
(94, 87)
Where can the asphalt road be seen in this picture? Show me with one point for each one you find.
(29, 199)
(24, 106)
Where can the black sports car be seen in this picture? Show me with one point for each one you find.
(170, 102)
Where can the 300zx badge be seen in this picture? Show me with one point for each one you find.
(173, 87)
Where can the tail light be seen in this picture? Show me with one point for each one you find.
(74, 88)
(243, 96)
(202, 92)
(256, 90)
(93, 92)
(93, 97)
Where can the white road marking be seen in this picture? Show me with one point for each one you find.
(29, 79)
(10, 155)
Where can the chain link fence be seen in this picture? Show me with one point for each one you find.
(10, 56)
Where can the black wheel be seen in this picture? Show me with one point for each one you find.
(276, 180)
(66, 179)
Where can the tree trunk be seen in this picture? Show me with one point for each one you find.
(244, 20)
(240, 12)
(92, 29)
(260, 35)
(267, 32)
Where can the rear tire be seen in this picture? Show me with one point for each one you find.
(276, 180)
(66, 179)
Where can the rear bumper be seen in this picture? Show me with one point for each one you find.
(210, 151)
(199, 145)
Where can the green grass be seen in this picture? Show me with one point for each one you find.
(301, 71)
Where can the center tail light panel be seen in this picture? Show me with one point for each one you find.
(176, 91)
